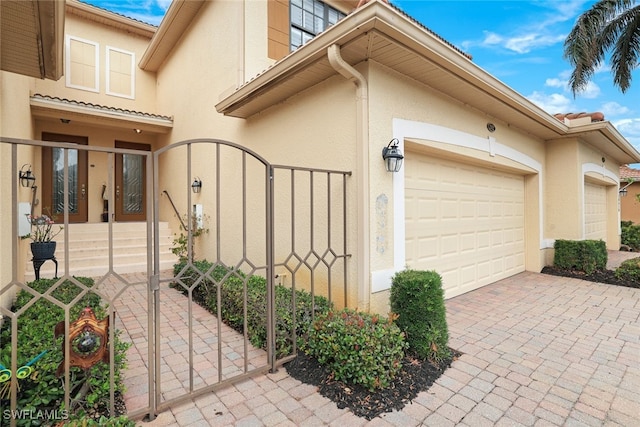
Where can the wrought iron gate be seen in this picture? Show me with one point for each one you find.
(258, 226)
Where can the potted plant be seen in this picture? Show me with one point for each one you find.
(42, 233)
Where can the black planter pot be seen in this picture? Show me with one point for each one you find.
(43, 250)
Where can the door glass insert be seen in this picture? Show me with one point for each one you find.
(133, 183)
(58, 181)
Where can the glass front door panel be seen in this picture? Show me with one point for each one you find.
(58, 181)
(133, 184)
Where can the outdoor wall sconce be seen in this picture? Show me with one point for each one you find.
(623, 190)
(392, 156)
(197, 185)
(27, 178)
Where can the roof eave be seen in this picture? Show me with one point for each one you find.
(625, 153)
(174, 23)
(393, 24)
(113, 19)
(58, 110)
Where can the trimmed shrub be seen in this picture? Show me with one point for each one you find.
(629, 270)
(43, 390)
(359, 348)
(630, 235)
(583, 255)
(232, 285)
(418, 300)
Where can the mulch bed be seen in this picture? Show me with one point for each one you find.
(601, 276)
(415, 376)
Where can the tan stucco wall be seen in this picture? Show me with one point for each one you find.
(562, 187)
(145, 99)
(629, 204)
(15, 122)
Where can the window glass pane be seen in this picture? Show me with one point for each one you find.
(297, 3)
(296, 38)
(318, 9)
(296, 15)
(333, 16)
(307, 5)
(319, 25)
(307, 21)
(306, 37)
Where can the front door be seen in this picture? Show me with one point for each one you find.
(53, 178)
(131, 183)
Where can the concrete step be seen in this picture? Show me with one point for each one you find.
(88, 250)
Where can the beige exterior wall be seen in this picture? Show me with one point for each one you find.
(629, 204)
(562, 182)
(145, 99)
(15, 122)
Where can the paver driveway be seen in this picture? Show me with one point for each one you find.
(538, 350)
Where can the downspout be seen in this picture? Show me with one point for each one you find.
(362, 163)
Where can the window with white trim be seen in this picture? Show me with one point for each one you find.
(82, 64)
(120, 72)
(308, 19)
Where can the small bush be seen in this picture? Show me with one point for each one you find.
(629, 270)
(630, 235)
(232, 284)
(583, 255)
(418, 299)
(359, 348)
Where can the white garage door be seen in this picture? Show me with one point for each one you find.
(463, 221)
(595, 211)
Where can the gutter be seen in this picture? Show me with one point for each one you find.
(362, 164)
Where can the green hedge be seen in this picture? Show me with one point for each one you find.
(232, 284)
(583, 255)
(43, 390)
(417, 298)
(359, 348)
(629, 270)
(630, 235)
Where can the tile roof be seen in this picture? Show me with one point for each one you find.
(595, 117)
(103, 108)
(627, 173)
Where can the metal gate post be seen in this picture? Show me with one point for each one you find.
(271, 312)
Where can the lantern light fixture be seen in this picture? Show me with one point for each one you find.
(197, 185)
(392, 156)
(27, 178)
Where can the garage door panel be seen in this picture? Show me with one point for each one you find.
(595, 207)
(469, 226)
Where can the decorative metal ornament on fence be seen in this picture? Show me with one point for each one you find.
(88, 340)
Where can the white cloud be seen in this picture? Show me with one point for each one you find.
(525, 43)
(630, 129)
(551, 103)
(555, 82)
(591, 91)
(614, 109)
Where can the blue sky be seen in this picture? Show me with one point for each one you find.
(519, 42)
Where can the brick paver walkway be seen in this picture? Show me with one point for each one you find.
(538, 350)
